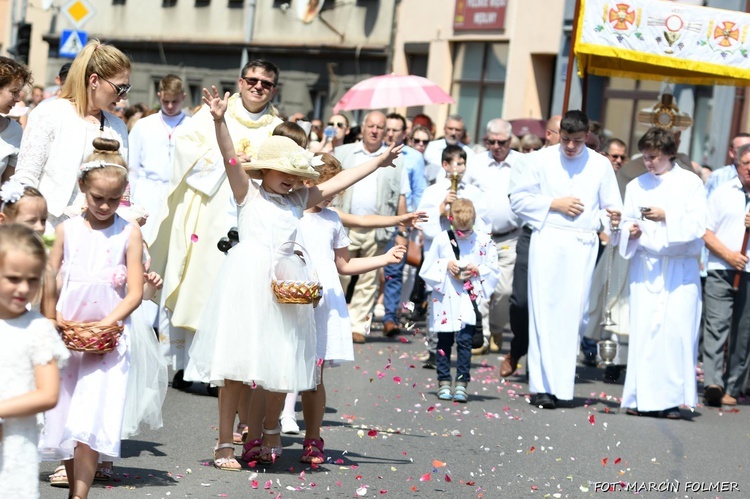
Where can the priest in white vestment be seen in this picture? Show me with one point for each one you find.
(199, 209)
(565, 195)
(664, 220)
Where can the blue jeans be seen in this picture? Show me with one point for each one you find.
(463, 353)
(394, 276)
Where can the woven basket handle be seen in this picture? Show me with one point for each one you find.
(305, 257)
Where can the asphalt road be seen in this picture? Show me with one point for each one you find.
(387, 435)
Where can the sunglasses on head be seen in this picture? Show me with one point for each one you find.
(498, 142)
(339, 124)
(121, 90)
(421, 141)
(252, 82)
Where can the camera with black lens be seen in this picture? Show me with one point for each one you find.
(230, 241)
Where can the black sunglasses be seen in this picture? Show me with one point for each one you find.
(268, 85)
(617, 156)
(498, 142)
(340, 125)
(421, 141)
(121, 90)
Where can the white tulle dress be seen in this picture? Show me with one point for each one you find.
(245, 334)
(324, 232)
(27, 341)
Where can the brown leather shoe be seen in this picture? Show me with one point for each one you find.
(728, 400)
(390, 328)
(508, 366)
(358, 338)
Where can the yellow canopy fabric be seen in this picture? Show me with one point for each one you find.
(665, 41)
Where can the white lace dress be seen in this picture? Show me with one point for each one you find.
(25, 342)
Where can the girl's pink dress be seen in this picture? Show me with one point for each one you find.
(93, 387)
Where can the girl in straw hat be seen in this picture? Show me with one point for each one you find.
(242, 310)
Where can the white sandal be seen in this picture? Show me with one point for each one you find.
(226, 463)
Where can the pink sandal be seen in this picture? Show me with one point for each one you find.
(251, 450)
(313, 452)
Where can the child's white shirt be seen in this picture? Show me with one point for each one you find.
(452, 308)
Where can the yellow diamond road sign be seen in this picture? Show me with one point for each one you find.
(79, 12)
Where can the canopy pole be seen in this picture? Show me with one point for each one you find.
(571, 57)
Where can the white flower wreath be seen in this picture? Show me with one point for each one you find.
(11, 191)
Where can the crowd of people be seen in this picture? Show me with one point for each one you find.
(513, 234)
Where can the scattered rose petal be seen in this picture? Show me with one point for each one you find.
(437, 464)
(448, 478)
(425, 478)
(372, 433)
(592, 419)
(194, 238)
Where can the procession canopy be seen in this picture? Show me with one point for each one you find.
(665, 41)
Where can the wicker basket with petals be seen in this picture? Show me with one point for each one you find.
(292, 280)
(90, 337)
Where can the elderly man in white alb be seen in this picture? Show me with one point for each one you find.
(490, 171)
(453, 131)
(199, 209)
(377, 194)
(565, 194)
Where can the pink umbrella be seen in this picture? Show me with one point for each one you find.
(381, 92)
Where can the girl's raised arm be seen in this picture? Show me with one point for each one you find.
(350, 176)
(238, 179)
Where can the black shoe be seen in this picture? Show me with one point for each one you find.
(429, 362)
(589, 359)
(612, 374)
(712, 395)
(178, 383)
(212, 390)
(544, 400)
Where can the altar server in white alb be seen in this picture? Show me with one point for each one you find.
(151, 152)
(565, 195)
(664, 220)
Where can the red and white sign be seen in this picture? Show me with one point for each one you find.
(479, 15)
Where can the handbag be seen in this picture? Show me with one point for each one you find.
(414, 251)
(477, 339)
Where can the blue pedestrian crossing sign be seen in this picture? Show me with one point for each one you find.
(72, 42)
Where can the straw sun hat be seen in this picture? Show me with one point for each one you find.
(284, 155)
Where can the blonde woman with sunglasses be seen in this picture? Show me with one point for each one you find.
(60, 132)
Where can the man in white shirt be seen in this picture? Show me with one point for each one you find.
(728, 172)
(727, 310)
(377, 194)
(564, 195)
(490, 171)
(453, 131)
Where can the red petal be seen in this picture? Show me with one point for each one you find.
(425, 478)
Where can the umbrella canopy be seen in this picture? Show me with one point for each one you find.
(381, 92)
